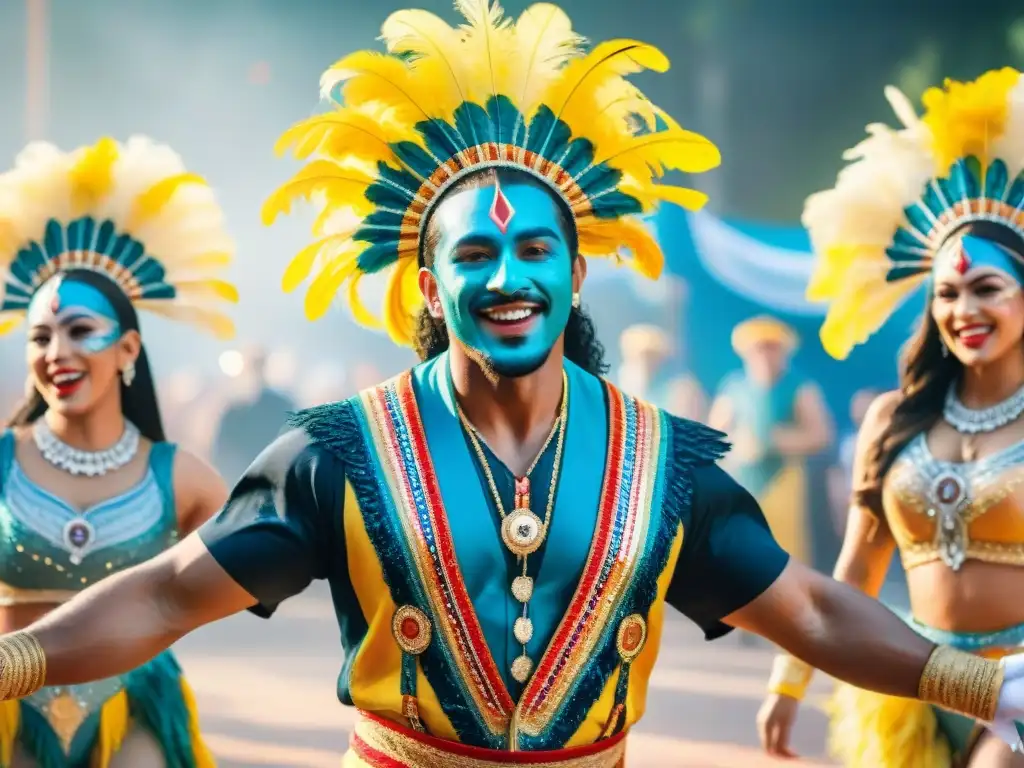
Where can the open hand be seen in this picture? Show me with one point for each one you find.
(775, 724)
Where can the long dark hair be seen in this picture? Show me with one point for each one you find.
(582, 346)
(926, 375)
(138, 402)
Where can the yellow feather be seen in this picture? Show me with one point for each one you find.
(151, 202)
(674, 149)
(210, 288)
(401, 301)
(545, 42)
(434, 46)
(339, 186)
(217, 323)
(690, 199)
(300, 267)
(488, 44)
(9, 323)
(862, 308)
(602, 238)
(360, 313)
(370, 77)
(92, 177)
(584, 77)
(326, 284)
(343, 133)
(203, 261)
(965, 118)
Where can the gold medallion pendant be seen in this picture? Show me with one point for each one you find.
(523, 532)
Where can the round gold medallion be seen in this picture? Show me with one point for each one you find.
(522, 588)
(631, 636)
(522, 531)
(521, 668)
(411, 629)
(523, 630)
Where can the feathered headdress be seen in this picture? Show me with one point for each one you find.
(443, 102)
(877, 231)
(132, 212)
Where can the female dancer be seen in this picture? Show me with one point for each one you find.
(939, 203)
(88, 484)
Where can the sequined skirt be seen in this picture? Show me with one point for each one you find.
(379, 743)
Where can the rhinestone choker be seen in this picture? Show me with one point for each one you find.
(88, 463)
(969, 421)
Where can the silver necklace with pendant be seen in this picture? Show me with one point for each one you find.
(75, 461)
(79, 534)
(971, 421)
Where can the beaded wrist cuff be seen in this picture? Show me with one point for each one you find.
(790, 677)
(962, 683)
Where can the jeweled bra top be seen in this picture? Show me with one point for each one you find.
(49, 550)
(949, 511)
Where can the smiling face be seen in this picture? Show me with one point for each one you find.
(503, 283)
(977, 302)
(76, 347)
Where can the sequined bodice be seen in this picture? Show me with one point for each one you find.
(48, 547)
(941, 510)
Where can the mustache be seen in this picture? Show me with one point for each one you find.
(493, 299)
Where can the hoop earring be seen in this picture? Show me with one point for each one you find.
(576, 300)
(128, 373)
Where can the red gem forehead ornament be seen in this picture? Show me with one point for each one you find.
(501, 212)
(960, 261)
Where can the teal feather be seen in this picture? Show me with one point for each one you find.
(80, 234)
(384, 193)
(1015, 197)
(615, 204)
(548, 135)
(933, 202)
(414, 157)
(105, 238)
(996, 179)
(159, 291)
(963, 179)
(578, 157)
(131, 254)
(53, 239)
(440, 138)
(39, 740)
(378, 256)
(474, 124)
(904, 271)
(150, 271)
(157, 701)
(918, 218)
(508, 120)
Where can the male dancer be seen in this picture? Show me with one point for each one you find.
(500, 527)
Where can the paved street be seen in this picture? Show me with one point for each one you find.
(266, 693)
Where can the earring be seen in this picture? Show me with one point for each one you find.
(128, 373)
(576, 300)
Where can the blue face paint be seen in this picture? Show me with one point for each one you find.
(484, 261)
(79, 310)
(971, 252)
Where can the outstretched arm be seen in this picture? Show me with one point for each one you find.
(130, 617)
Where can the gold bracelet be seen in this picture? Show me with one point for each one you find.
(962, 682)
(22, 665)
(790, 677)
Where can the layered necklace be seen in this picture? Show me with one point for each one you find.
(522, 531)
(971, 421)
(88, 463)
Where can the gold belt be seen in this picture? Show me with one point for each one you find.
(19, 596)
(380, 743)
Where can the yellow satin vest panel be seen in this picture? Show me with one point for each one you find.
(939, 510)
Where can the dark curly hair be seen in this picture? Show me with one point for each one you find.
(925, 377)
(582, 346)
